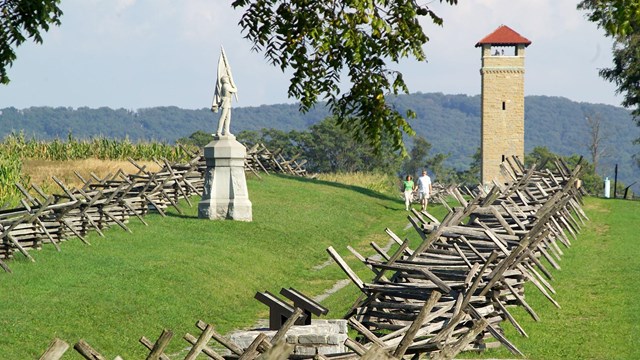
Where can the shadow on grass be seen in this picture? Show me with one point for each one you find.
(358, 189)
(175, 214)
(170, 212)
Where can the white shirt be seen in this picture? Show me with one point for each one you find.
(423, 183)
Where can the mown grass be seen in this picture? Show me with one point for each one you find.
(382, 183)
(181, 269)
(597, 288)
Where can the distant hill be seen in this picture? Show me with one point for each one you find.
(451, 123)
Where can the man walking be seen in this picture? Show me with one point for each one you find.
(424, 189)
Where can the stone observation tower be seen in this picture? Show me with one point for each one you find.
(502, 99)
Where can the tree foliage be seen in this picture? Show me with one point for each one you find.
(199, 138)
(21, 20)
(544, 158)
(417, 159)
(620, 19)
(327, 148)
(323, 42)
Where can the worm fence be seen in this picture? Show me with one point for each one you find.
(450, 293)
(110, 201)
(453, 291)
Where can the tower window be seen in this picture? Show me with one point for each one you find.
(504, 106)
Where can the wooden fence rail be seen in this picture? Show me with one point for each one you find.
(470, 268)
(100, 203)
(450, 293)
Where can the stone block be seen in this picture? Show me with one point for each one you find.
(339, 324)
(336, 339)
(292, 339)
(312, 339)
(305, 350)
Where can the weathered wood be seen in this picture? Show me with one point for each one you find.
(377, 353)
(149, 345)
(282, 332)
(251, 351)
(343, 265)
(56, 349)
(280, 351)
(450, 351)
(4, 266)
(356, 325)
(201, 343)
(89, 353)
(158, 348)
(509, 317)
(221, 339)
(356, 347)
(416, 325)
(206, 349)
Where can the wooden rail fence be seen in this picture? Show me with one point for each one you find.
(103, 202)
(450, 293)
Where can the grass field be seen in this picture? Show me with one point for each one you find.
(598, 290)
(181, 269)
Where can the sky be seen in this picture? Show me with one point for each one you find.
(136, 54)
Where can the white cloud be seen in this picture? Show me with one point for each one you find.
(140, 53)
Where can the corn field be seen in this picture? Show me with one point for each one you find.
(17, 147)
(98, 148)
(10, 173)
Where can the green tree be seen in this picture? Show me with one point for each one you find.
(275, 140)
(441, 173)
(329, 148)
(321, 42)
(417, 158)
(198, 138)
(541, 157)
(20, 20)
(471, 176)
(278, 140)
(592, 182)
(620, 19)
(249, 137)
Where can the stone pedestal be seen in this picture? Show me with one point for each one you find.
(225, 194)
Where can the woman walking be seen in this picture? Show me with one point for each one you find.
(408, 191)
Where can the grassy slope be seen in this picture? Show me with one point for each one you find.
(181, 269)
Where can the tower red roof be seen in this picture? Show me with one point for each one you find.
(504, 36)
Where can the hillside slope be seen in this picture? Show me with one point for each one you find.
(180, 269)
(450, 122)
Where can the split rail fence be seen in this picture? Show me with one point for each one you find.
(112, 200)
(450, 293)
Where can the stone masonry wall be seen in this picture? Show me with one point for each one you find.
(323, 336)
(502, 111)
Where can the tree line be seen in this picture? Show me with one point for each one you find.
(450, 123)
(328, 148)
